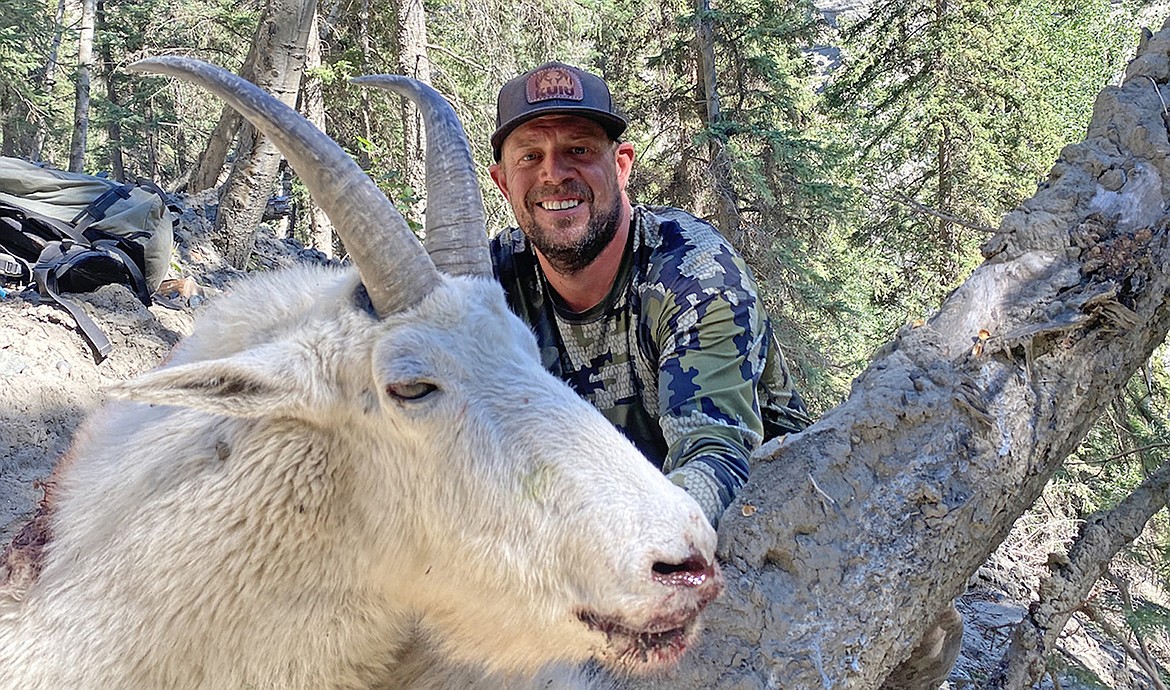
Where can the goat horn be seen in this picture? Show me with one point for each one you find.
(456, 231)
(395, 270)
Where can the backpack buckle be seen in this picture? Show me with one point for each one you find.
(9, 266)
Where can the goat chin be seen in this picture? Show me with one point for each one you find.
(422, 669)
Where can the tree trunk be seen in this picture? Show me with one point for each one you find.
(851, 535)
(280, 61)
(1061, 594)
(718, 162)
(948, 241)
(206, 175)
(84, 66)
(313, 107)
(364, 94)
(114, 127)
(44, 80)
(410, 35)
(207, 172)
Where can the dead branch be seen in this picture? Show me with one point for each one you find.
(1071, 579)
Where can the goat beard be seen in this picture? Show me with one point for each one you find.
(569, 258)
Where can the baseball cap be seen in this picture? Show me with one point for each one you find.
(554, 88)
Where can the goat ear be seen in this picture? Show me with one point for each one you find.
(245, 385)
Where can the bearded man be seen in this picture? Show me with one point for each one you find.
(647, 312)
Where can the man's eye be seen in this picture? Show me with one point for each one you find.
(410, 390)
(579, 150)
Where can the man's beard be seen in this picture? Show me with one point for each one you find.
(572, 257)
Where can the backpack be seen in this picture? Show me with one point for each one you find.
(69, 232)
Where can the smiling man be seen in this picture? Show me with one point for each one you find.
(647, 312)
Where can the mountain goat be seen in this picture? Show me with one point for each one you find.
(340, 468)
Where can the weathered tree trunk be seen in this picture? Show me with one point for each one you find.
(84, 67)
(1073, 577)
(364, 94)
(852, 535)
(207, 172)
(410, 35)
(114, 127)
(313, 107)
(718, 162)
(280, 61)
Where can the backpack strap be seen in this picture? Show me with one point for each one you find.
(96, 210)
(111, 248)
(150, 186)
(55, 260)
(59, 227)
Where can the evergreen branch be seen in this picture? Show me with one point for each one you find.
(922, 208)
(1072, 576)
(1124, 453)
(466, 62)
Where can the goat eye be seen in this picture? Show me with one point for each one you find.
(410, 390)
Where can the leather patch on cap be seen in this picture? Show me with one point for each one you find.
(554, 83)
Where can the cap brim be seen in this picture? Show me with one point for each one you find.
(613, 125)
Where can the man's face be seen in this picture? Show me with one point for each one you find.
(565, 180)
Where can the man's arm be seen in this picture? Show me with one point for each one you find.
(723, 384)
(714, 346)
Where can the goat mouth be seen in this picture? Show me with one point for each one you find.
(654, 646)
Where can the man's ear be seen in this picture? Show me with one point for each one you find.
(501, 180)
(624, 157)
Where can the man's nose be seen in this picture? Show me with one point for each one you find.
(554, 169)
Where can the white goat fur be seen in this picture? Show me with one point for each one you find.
(260, 512)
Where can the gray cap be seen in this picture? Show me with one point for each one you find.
(554, 88)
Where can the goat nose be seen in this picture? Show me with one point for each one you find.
(694, 571)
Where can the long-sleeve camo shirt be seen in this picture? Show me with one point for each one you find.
(679, 356)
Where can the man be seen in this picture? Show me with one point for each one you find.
(646, 312)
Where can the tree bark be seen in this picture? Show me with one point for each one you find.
(280, 61)
(313, 107)
(1071, 580)
(207, 173)
(114, 127)
(852, 535)
(84, 67)
(410, 35)
(718, 162)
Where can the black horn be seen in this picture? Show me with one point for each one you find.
(393, 266)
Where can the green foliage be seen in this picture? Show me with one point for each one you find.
(1128, 443)
(390, 178)
(1149, 619)
(25, 34)
(960, 107)
(955, 106)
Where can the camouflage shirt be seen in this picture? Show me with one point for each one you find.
(679, 355)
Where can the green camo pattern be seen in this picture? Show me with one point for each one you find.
(680, 355)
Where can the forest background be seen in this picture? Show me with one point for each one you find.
(857, 154)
